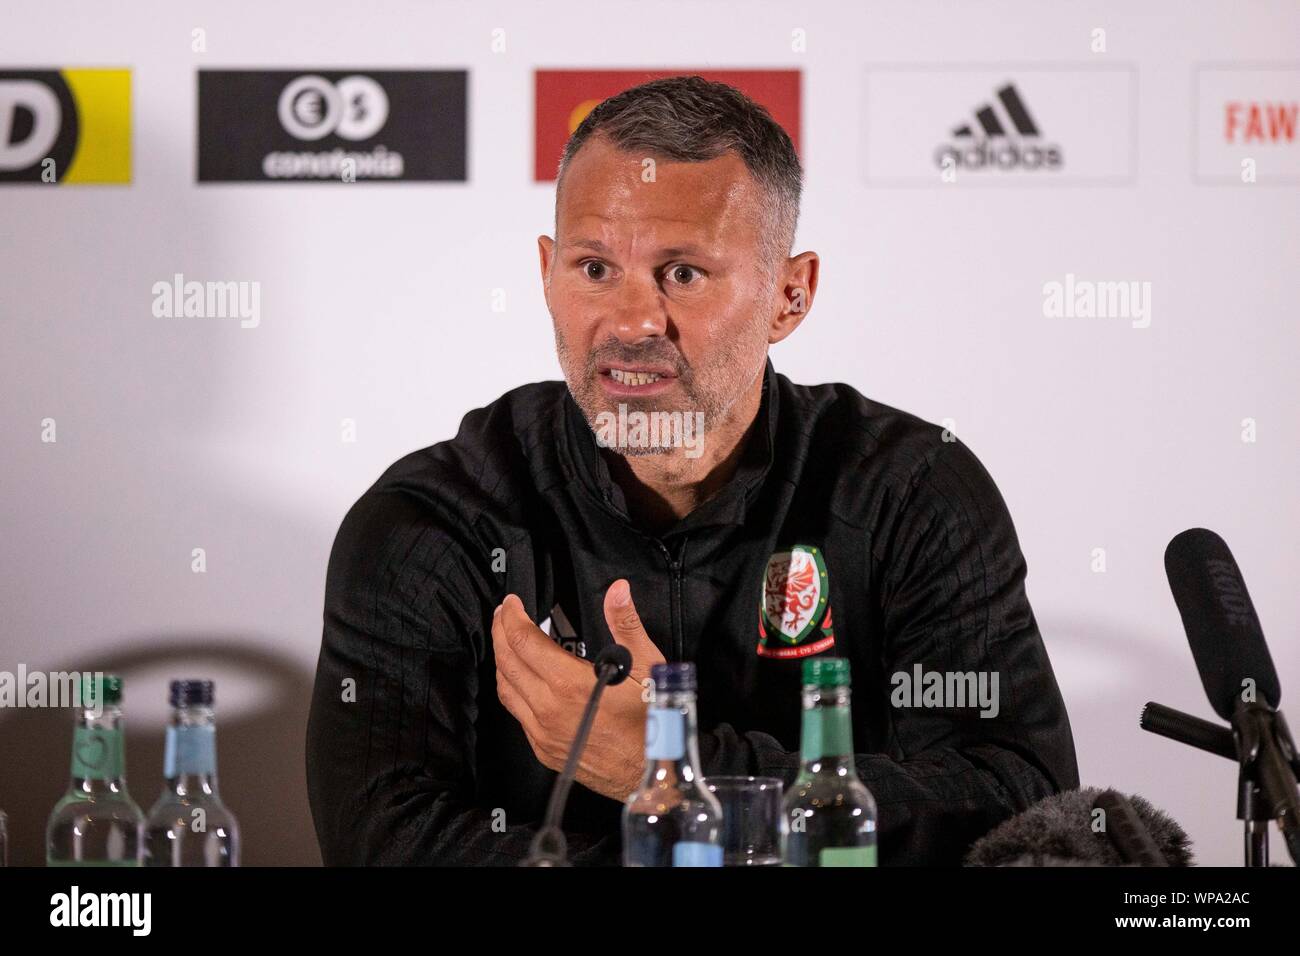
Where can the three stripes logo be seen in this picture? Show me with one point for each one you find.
(1003, 138)
(1015, 109)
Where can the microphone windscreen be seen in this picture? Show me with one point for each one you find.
(1061, 830)
(1222, 628)
(618, 659)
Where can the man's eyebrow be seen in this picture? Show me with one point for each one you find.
(689, 251)
(595, 245)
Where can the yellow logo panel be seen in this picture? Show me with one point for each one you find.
(65, 126)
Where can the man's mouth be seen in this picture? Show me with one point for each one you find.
(636, 381)
(633, 378)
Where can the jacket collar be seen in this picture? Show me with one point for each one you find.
(727, 507)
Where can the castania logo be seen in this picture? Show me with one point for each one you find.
(1253, 122)
(1003, 137)
(345, 126)
(311, 107)
(65, 126)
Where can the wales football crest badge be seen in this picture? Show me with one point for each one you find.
(794, 611)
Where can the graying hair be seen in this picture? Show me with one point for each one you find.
(690, 119)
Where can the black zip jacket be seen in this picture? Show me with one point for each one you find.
(850, 529)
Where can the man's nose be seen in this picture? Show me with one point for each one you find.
(638, 311)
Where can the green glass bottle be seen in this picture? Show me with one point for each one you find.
(830, 815)
(97, 823)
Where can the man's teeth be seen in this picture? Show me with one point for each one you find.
(633, 378)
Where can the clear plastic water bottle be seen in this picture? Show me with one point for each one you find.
(97, 823)
(671, 819)
(831, 815)
(189, 825)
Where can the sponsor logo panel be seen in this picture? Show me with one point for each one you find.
(1008, 126)
(1247, 123)
(331, 125)
(563, 98)
(65, 126)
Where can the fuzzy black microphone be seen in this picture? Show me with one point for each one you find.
(1059, 831)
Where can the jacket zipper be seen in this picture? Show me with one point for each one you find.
(675, 595)
(675, 567)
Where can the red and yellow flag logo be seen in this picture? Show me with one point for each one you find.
(563, 98)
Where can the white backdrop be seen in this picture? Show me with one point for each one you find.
(377, 306)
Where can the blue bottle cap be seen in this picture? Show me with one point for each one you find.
(678, 676)
(192, 693)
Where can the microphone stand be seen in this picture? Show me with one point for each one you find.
(1267, 762)
(549, 847)
(1266, 783)
(1250, 808)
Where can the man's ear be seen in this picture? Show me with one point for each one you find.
(798, 285)
(545, 249)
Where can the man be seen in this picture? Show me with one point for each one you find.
(799, 520)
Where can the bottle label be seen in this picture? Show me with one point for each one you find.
(847, 856)
(190, 750)
(689, 853)
(50, 861)
(97, 753)
(827, 732)
(665, 734)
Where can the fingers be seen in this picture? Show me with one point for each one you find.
(626, 628)
(514, 702)
(515, 637)
(540, 684)
(621, 616)
(519, 707)
(523, 692)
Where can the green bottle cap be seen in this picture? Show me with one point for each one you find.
(101, 689)
(826, 672)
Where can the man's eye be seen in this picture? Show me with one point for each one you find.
(683, 275)
(594, 269)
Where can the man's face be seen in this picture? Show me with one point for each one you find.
(662, 292)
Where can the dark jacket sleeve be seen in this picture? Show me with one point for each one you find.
(952, 596)
(391, 736)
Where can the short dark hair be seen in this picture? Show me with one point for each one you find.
(690, 119)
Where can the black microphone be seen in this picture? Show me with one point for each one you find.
(613, 664)
(1062, 830)
(1239, 678)
(1126, 831)
(1193, 731)
(1222, 627)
